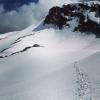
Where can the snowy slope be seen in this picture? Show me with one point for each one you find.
(91, 66)
(38, 63)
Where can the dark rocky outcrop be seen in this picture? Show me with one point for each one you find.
(60, 16)
(55, 17)
(89, 27)
(36, 45)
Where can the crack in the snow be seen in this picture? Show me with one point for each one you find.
(19, 39)
(25, 36)
(4, 49)
(23, 50)
(16, 41)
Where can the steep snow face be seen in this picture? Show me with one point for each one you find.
(37, 63)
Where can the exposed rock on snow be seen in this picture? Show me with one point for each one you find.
(61, 16)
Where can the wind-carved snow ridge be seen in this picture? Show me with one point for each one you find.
(84, 88)
(6, 53)
(23, 50)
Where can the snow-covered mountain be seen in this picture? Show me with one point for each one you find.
(57, 59)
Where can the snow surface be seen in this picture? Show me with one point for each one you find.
(47, 72)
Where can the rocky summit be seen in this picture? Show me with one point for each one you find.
(87, 15)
